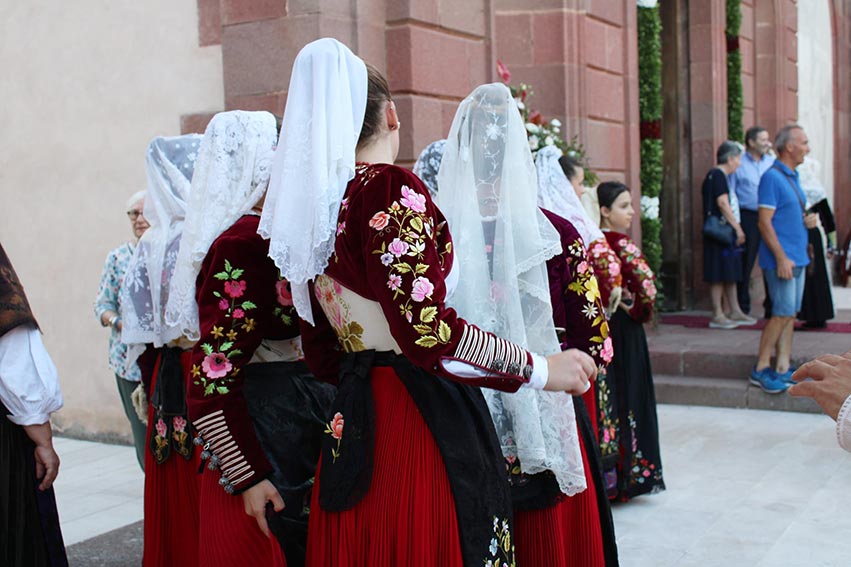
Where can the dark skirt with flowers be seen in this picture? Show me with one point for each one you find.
(630, 382)
(413, 478)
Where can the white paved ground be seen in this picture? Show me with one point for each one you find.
(745, 488)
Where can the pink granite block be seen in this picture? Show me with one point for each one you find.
(513, 38)
(241, 11)
(748, 29)
(604, 95)
(209, 23)
(612, 12)
(748, 91)
(422, 10)
(195, 123)
(746, 47)
(548, 37)
(608, 42)
(271, 102)
(606, 144)
(422, 123)
(467, 16)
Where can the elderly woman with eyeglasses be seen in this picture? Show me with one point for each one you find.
(107, 308)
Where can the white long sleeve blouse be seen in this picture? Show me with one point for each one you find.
(29, 384)
(843, 425)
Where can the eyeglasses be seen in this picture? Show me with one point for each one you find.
(135, 214)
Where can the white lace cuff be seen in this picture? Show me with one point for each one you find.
(843, 425)
(540, 373)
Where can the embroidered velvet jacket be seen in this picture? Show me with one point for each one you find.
(242, 302)
(575, 295)
(385, 286)
(638, 279)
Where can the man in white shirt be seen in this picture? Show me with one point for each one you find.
(830, 387)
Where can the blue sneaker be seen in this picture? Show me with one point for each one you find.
(786, 377)
(768, 380)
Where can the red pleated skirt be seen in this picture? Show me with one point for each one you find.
(228, 536)
(171, 502)
(565, 535)
(408, 516)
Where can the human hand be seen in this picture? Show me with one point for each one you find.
(784, 268)
(255, 498)
(46, 466)
(740, 236)
(831, 382)
(570, 371)
(811, 220)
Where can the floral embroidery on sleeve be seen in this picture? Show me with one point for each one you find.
(407, 226)
(638, 268)
(585, 284)
(284, 309)
(216, 370)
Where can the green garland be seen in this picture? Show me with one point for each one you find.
(735, 99)
(650, 112)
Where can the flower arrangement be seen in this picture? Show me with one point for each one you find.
(542, 132)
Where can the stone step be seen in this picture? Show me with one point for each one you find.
(725, 393)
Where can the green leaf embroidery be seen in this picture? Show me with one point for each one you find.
(427, 314)
(421, 269)
(236, 273)
(403, 267)
(228, 267)
(427, 342)
(222, 389)
(422, 329)
(221, 276)
(417, 224)
(248, 305)
(444, 332)
(208, 350)
(226, 346)
(234, 352)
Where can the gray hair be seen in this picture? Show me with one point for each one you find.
(135, 198)
(727, 151)
(784, 136)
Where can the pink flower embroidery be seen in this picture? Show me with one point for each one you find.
(235, 288)
(337, 426)
(608, 351)
(413, 200)
(650, 288)
(216, 365)
(631, 248)
(285, 298)
(379, 220)
(179, 424)
(161, 428)
(238, 313)
(398, 247)
(582, 267)
(341, 227)
(394, 282)
(615, 269)
(223, 304)
(421, 289)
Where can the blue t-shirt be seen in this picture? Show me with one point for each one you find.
(776, 192)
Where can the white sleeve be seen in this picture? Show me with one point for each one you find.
(843, 425)
(29, 385)
(540, 371)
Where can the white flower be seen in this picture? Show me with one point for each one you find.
(555, 123)
(531, 128)
(548, 141)
(520, 104)
(534, 142)
(650, 207)
(647, 3)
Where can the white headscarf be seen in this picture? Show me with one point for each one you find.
(314, 162)
(231, 175)
(810, 180)
(556, 194)
(488, 187)
(144, 293)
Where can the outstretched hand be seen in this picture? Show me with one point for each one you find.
(829, 384)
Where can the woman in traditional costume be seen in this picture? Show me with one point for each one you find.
(29, 392)
(639, 470)
(171, 463)
(411, 471)
(512, 256)
(257, 411)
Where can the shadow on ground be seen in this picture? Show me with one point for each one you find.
(118, 548)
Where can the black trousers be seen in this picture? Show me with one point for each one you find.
(750, 226)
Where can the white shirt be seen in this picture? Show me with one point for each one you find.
(843, 425)
(29, 385)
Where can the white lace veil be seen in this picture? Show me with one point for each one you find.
(428, 164)
(556, 194)
(231, 175)
(144, 292)
(810, 180)
(488, 192)
(314, 162)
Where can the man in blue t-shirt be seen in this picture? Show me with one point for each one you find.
(783, 224)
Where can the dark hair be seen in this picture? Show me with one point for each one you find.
(752, 134)
(608, 191)
(727, 151)
(279, 121)
(570, 166)
(378, 92)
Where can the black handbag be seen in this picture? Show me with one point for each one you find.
(715, 228)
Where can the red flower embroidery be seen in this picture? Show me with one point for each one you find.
(235, 288)
(285, 298)
(337, 426)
